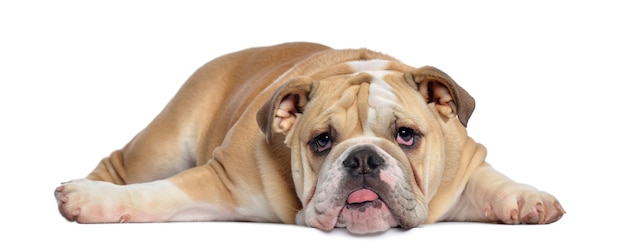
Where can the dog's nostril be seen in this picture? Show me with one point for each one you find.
(364, 159)
(375, 160)
(351, 162)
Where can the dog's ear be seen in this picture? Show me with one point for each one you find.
(437, 87)
(279, 114)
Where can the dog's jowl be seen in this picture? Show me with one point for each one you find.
(302, 133)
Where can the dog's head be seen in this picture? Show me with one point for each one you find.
(367, 149)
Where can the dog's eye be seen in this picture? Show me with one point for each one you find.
(406, 137)
(322, 143)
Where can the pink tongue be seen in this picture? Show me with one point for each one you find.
(362, 195)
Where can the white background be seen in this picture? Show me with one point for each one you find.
(79, 79)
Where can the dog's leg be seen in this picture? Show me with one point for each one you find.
(492, 197)
(155, 153)
(176, 140)
(197, 194)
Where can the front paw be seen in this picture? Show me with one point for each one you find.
(523, 205)
(87, 201)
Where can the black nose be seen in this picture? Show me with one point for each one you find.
(363, 161)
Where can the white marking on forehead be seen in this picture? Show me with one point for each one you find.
(381, 95)
(381, 100)
(369, 65)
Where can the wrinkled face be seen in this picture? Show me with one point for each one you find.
(366, 151)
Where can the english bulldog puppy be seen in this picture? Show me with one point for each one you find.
(302, 133)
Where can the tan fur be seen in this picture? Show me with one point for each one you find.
(233, 144)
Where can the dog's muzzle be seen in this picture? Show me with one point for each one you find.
(365, 190)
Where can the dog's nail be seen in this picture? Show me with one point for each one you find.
(539, 207)
(558, 206)
(514, 215)
(487, 211)
(124, 218)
